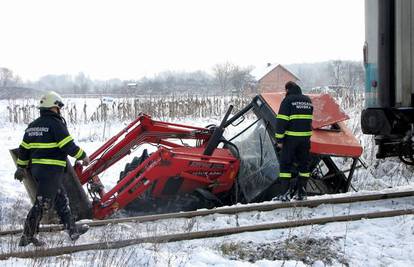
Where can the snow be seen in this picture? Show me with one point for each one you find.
(376, 242)
(260, 71)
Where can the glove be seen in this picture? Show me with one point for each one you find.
(20, 174)
(86, 161)
(279, 145)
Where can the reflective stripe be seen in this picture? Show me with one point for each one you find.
(304, 174)
(65, 141)
(283, 117)
(285, 175)
(294, 117)
(79, 154)
(22, 162)
(279, 135)
(47, 145)
(49, 162)
(25, 145)
(291, 133)
(301, 116)
(43, 145)
(38, 145)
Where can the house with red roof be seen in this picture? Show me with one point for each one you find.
(272, 78)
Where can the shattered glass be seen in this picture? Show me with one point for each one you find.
(259, 166)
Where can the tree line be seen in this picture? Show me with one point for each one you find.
(224, 78)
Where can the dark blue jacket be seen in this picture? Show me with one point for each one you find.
(47, 141)
(295, 116)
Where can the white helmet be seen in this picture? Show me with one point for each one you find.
(50, 100)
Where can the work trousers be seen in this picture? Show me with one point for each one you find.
(295, 150)
(50, 193)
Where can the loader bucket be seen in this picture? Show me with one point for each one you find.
(79, 203)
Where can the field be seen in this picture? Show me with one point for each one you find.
(380, 242)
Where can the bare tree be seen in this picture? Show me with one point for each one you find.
(82, 83)
(17, 81)
(336, 72)
(240, 77)
(353, 74)
(6, 77)
(223, 73)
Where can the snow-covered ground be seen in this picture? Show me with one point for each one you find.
(378, 242)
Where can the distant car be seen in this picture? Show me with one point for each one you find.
(107, 99)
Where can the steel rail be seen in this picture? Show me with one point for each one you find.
(230, 210)
(50, 252)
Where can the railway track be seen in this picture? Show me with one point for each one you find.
(230, 210)
(47, 252)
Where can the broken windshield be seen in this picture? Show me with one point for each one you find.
(259, 166)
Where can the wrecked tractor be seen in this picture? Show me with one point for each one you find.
(205, 167)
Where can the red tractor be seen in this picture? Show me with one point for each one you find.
(234, 162)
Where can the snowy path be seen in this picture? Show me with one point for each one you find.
(216, 221)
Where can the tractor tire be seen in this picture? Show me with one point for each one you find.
(136, 161)
(133, 164)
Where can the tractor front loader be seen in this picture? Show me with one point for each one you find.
(234, 162)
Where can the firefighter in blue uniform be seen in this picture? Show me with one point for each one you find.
(293, 133)
(43, 151)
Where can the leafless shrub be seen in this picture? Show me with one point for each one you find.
(127, 109)
(307, 250)
(13, 212)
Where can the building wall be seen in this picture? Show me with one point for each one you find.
(275, 80)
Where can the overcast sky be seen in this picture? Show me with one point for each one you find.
(131, 39)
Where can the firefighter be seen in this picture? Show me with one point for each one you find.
(293, 133)
(43, 151)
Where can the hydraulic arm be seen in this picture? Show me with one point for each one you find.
(173, 168)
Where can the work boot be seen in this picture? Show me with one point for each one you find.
(25, 240)
(293, 187)
(285, 190)
(301, 195)
(78, 230)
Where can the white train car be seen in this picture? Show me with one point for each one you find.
(389, 85)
